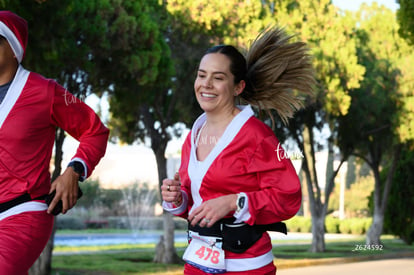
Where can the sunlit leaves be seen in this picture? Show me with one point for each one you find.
(405, 17)
(383, 40)
(331, 38)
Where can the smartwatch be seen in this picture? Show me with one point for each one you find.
(241, 201)
(78, 168)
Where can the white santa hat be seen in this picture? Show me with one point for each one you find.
(15, 30)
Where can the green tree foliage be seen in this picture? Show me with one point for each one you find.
(237, 22)
(136, 62)
(405, 15)
(130, 49)
(399, 217)
(61, 36)
(375, 112)
(331, 37)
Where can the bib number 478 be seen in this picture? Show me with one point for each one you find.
(207, 253)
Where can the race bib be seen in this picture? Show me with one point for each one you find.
(205, 253)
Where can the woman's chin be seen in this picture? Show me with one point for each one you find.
(206, 107)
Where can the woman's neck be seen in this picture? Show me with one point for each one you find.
(222, 119)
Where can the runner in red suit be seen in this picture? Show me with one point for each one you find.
(31, 107)
(235, 181)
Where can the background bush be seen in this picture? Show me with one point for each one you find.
(332, 225)
(357, 226)
(299, 224)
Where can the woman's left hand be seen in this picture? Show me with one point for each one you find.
(213, 210)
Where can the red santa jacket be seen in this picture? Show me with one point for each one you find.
(248, 158)
(29, 114)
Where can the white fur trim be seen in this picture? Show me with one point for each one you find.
(24, 207)
(198, 169)
(13, 93)
(13, 41)
(245, 264)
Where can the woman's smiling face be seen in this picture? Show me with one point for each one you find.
(214, 86)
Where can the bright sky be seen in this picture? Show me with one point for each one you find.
(126, 164)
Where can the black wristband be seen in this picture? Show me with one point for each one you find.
(78, 168)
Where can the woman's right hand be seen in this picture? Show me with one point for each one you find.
(171, 190)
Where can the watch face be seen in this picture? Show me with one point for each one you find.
(241, 202)
(77, 167)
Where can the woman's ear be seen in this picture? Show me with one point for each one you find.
(238, 89)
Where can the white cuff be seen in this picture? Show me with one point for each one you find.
(168, 206)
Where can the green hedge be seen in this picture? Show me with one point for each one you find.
(299, 224)
(357, 226)
(332, 225)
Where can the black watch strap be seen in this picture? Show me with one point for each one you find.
(78, 168)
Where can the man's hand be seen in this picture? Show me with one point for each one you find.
(66, 187)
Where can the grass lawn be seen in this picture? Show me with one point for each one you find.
(137, 259)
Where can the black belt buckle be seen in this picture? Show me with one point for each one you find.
(58, 207)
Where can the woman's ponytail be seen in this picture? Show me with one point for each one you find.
(276, 70)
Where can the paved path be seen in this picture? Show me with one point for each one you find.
(380, 267)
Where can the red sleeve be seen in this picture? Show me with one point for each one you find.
(82, 123)
(280, 194)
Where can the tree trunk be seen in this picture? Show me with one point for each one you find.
(316, 206)
(341, 209)
(329, 163)
(318, 232)
(350, 172)
(43, 265)
(381, 198)
(165, 251)
(375, 230)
